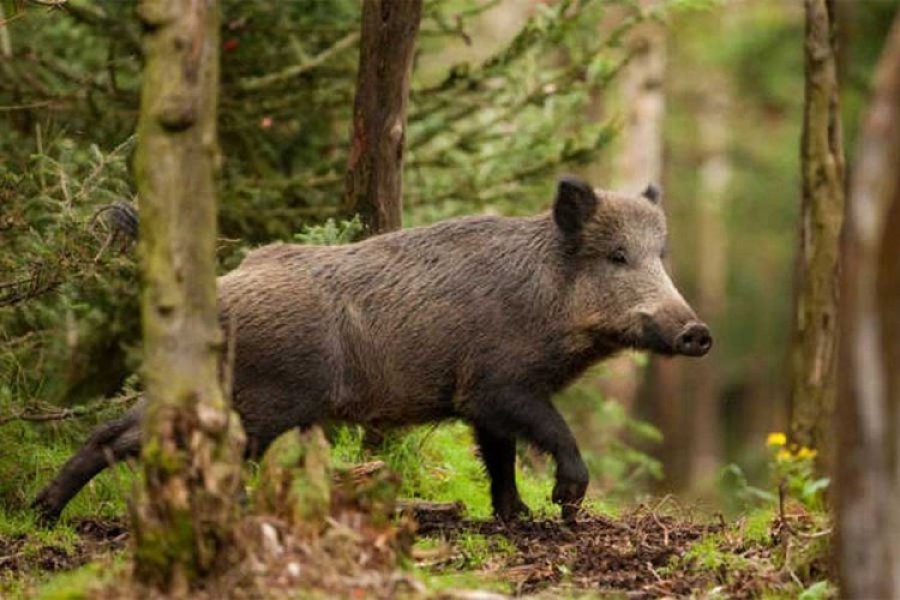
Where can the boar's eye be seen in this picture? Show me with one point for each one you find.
(618, 256)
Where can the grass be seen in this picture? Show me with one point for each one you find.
(435, 463)
(33, 454)
(790, 564)
(78, 584)
(456, 581)
(441, 464)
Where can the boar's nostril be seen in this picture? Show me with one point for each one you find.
(694, 340)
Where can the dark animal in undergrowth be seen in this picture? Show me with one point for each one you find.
(481, 319)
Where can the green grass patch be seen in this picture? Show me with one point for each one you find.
(436, 582)
(440, 463)
(478, 551)
(708, 554)
(36, 455)
(80, 583)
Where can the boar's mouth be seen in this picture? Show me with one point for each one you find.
(654, 338)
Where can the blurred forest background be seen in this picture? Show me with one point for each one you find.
(505, 96)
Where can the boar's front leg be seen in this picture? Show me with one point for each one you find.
(499, 456)
(535, 418)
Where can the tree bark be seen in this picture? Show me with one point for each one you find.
(868, 480)
(192, 443)
(814, 345)
(705, 425)
(639, 162)
(374, 183)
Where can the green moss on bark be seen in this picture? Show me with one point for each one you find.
(184, 516)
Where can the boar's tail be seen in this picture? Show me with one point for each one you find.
(121, 221)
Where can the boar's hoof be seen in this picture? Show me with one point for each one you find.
(694, 340)
(512, 509)
(569, 495)
(570, 513)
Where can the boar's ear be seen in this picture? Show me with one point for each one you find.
(652, 193)
(575, 203)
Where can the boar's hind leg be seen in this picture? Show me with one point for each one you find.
(499, 456)
(536, 419)
(108, 443)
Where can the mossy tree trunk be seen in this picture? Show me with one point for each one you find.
(374, 183)
(813, 357)
(868, 481)
(192, 443)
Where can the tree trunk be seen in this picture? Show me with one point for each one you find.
(705, 425)
(374, 183)
(192, 443)
(867, 415)
(638, 163)
(814, 346)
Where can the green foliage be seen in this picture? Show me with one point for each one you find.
(68, 315)
(820, 590)
(330, 232)
(737, 491)
(462, 160)
(708, 555)
(791, 468)
(795, 471)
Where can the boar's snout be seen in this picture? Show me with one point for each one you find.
(693, 340)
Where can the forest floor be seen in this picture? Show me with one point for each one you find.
(366, 544)
(648, 552)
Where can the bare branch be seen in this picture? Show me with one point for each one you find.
(255, 83)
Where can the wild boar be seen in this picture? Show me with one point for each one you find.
(481, 319)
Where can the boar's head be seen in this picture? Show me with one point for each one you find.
(613, 247)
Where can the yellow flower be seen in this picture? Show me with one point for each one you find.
(805, 453)
(776, 439)
(783, 455)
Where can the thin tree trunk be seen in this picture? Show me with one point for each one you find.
(639, 162)
(814, 345)
(867, 415)
(374, 180)
(703, 378)
(374, 183)
(192, 442)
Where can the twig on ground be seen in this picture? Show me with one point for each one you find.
(67, 413)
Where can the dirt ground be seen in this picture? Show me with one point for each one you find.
(95, 537)
(632, 554)
(640, 554)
